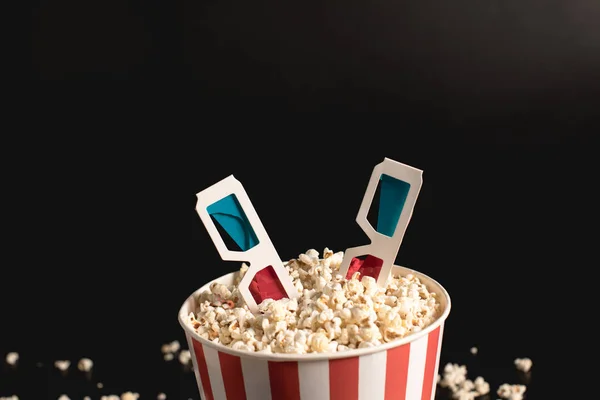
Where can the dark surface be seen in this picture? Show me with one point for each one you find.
(495, 101)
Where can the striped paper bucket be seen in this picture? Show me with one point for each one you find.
(404, 369)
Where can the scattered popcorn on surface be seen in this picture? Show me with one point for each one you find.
(461, 388)
(523, 364)
(169, 350)
(454, 376)
(161, 396)
(85, 364)
(481, 386)
(332, 313)
(129, 396)
(474, 350)
(64, 397)
(172, 347)
(185, 357)
(12, 358)
(511, 392)
(63, 365)
(99, 385)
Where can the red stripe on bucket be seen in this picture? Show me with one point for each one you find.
(343, 379)
(233, 378)
(430, 373)
(396, 372)
(203, 370)
(285, 384)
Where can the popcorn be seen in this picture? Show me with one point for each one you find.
(474, 350)
(99, 385)
(110, 397)
(461, 388)
(85, 364)
(13, 397)
(481, 386)
(332, 313)
(184, 357)
(511, 392)
(63, 365)
(129, 396)
(161, 396)
(523, 364)
(87, 398)
(64, 397)
(12, 358)
(172, 347)
(454, 375)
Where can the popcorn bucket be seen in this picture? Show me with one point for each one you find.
(404, 369)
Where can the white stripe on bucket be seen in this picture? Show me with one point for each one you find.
(195, 365)
(314, 380)
(256, 378)
(437, 360)
(371, 376)
(214, 372)
(416, 368)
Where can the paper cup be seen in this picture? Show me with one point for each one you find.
(405, 369)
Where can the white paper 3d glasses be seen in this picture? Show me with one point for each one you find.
(227, 203)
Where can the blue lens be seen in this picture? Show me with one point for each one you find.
(232, 218)
(391, 202)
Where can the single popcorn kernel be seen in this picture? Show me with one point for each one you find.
(12, 358)
(185, 357)
(523, 364)
(331, 314)
(85, 364)
(62, 365)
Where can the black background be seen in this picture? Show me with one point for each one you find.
(495, 101)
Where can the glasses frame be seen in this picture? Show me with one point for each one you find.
(260, 256)
(382, 246)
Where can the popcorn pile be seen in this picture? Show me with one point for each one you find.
(332, 313)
